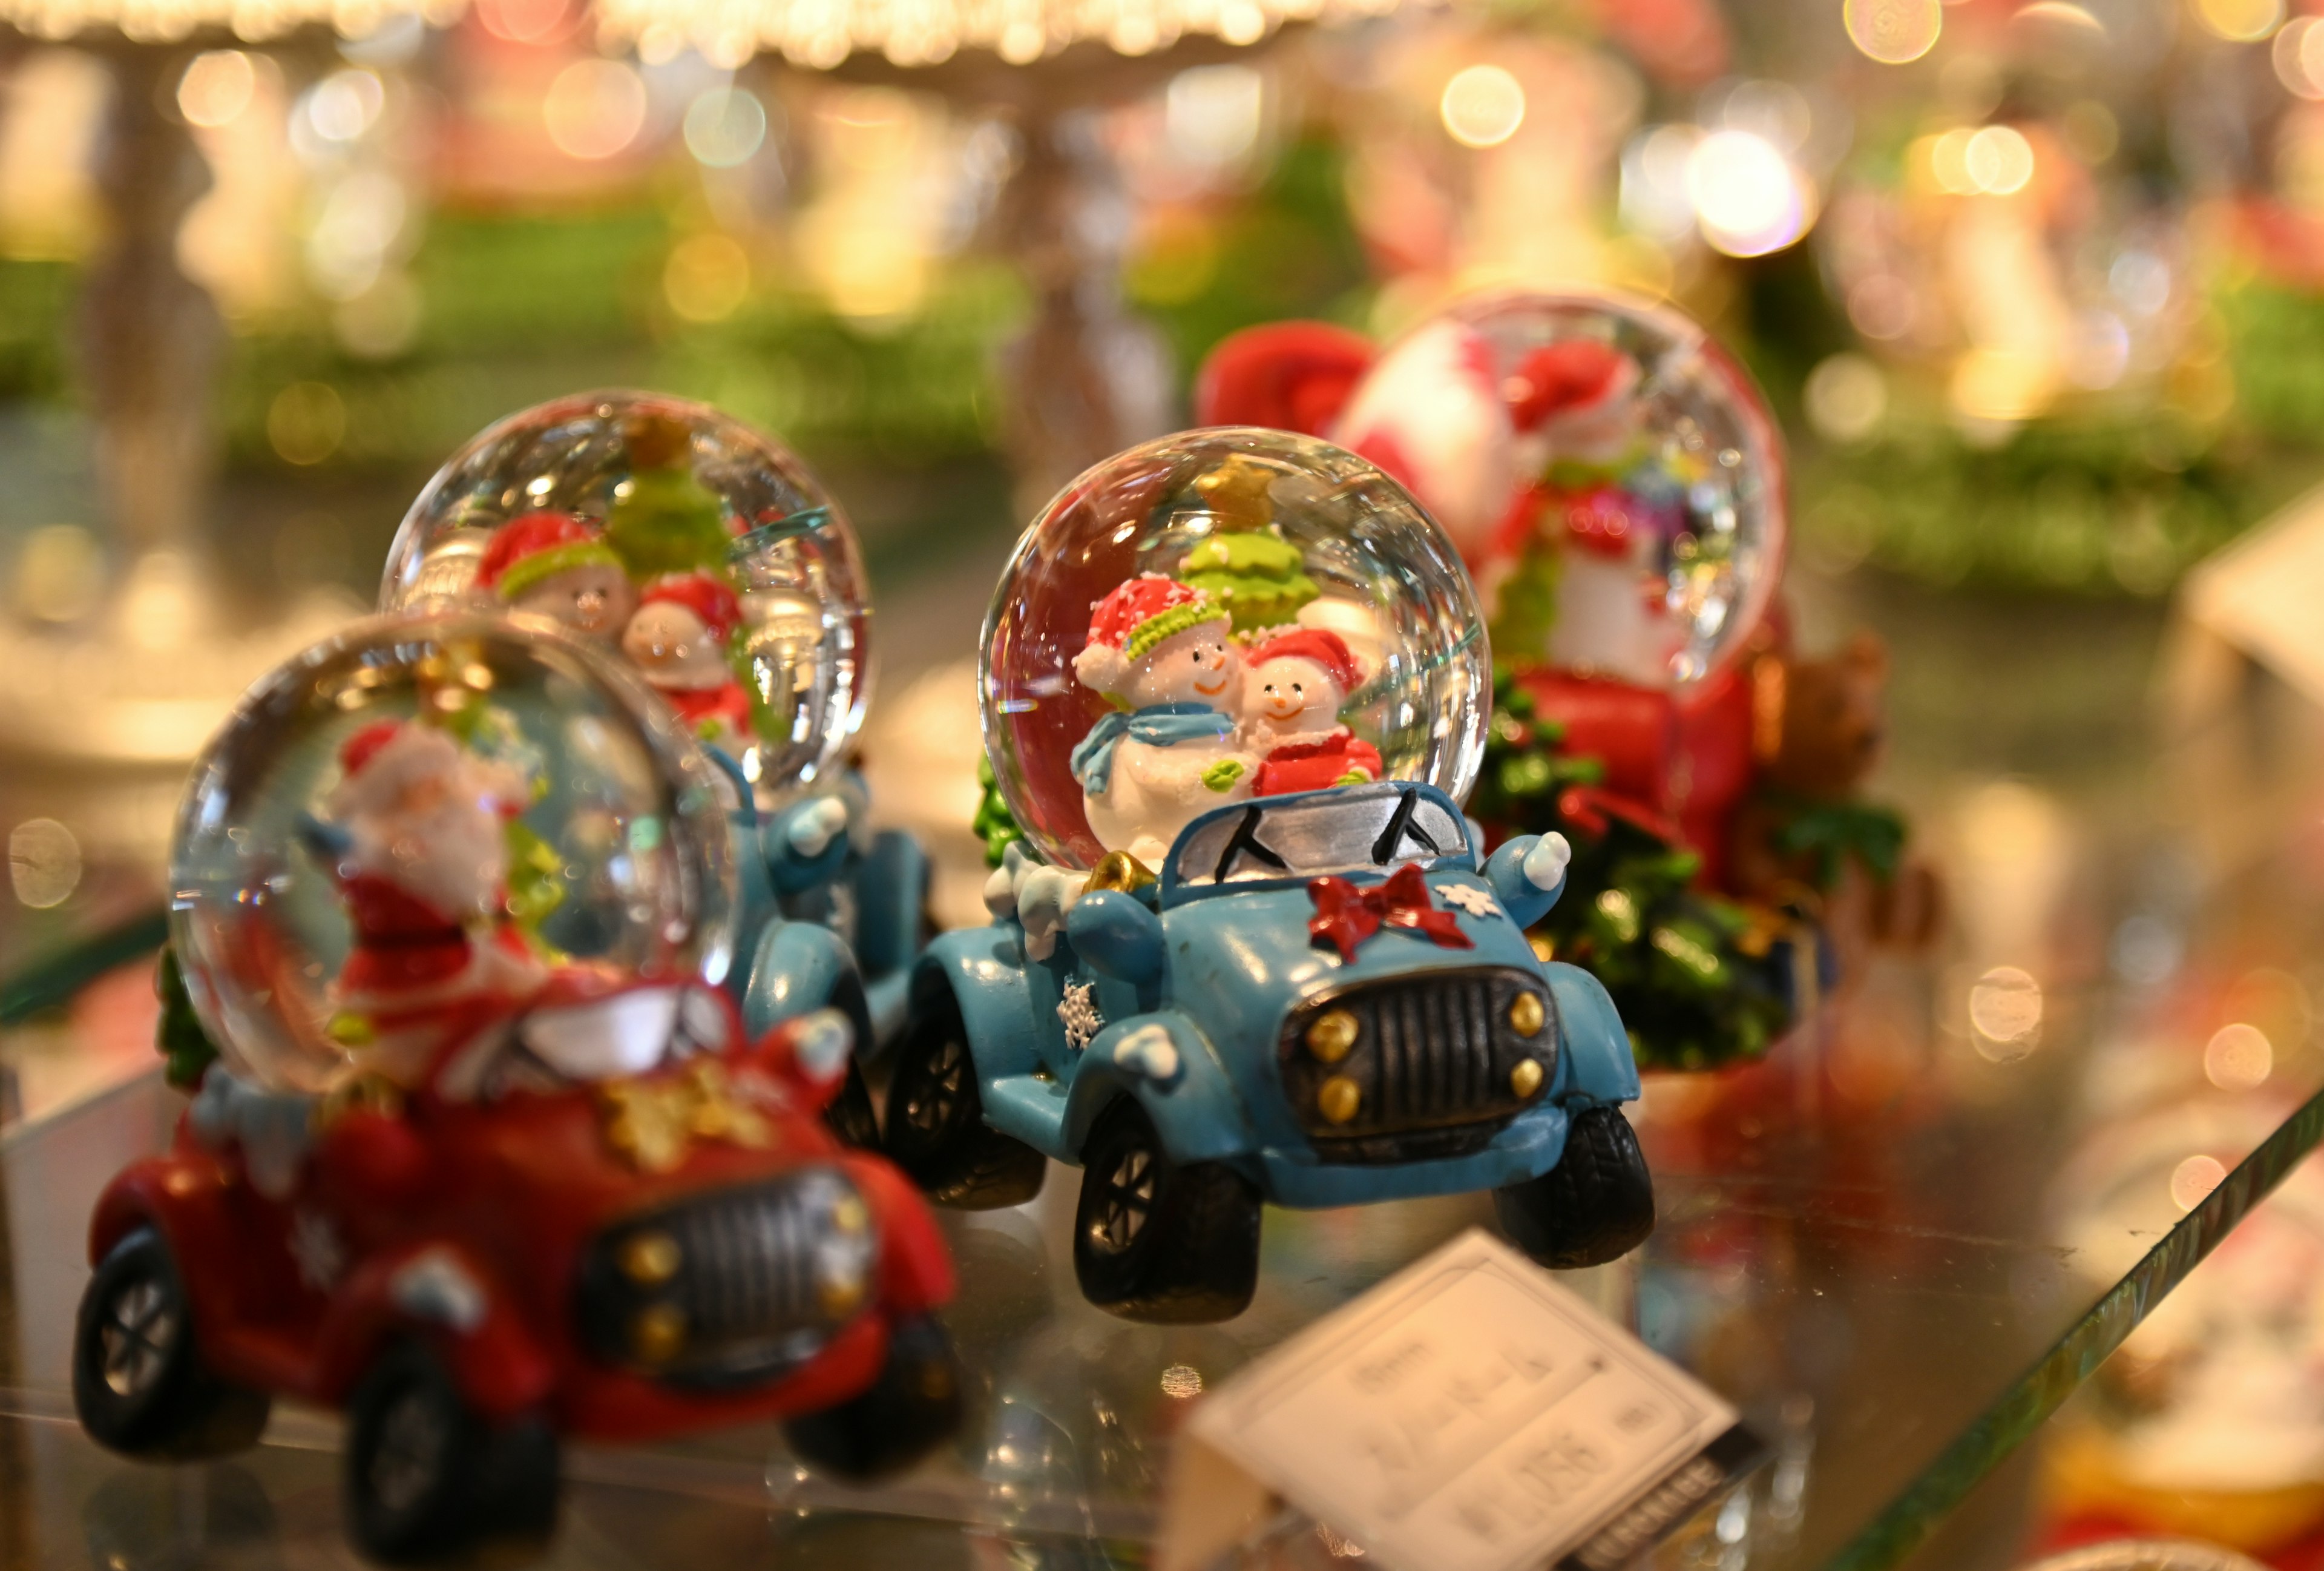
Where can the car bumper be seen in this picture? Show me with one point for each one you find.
(598, 1403)
(1529, 1147)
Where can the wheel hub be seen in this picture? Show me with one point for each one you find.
(139, 1331)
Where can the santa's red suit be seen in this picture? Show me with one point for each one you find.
(712, 712)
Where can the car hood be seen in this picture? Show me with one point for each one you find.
(1240, 958)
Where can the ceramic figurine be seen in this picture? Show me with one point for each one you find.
(709, 557)
(1164, 651)
(499, 1200)
(1307, 997)
(1297, 681)
(1616, 485)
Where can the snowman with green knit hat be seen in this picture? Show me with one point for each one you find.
(1161, 650)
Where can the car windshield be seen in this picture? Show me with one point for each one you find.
(1353, 830)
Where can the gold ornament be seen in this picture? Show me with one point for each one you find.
(652, 1122)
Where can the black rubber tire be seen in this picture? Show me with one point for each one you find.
(1157, 1241)
(911, 1409)
(849, 1114)
(138, 1380)
(1597, 1205)
(936, 1131)
(429, 1480)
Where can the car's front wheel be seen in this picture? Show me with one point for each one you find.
(899, 1418)
(936, 1131)
(1597, 1205)
(1158, 1239)
(428, 1478)
(139, 1383)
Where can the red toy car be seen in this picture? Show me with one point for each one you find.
(631, 1222)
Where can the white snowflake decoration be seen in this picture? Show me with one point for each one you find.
(1078, 1012)
(315, 1245)
(1471, 898)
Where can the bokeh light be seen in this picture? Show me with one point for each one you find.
(1748, 196)
(1998, 160)
(595, 109)
(217, 87)
(2299, 55)
(1482, 107)
(724, 126)
(707, 278)
(1845, 396)
(2194, 1178)
(1892, 32)
(2004, 1006)
(2240, 21)
(43, 862)
(2238, 1058)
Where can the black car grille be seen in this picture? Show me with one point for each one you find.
(1436, 1063)
(737, 1286)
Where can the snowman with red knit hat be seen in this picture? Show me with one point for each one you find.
(554, 565)
(1163, 651)
(415, 833)
(678, 640)
(1292, 694)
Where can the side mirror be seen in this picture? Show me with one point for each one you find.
(1117, 935)
(1528, 875)
(814, 1048)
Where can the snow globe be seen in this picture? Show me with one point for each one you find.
(1220, 616)
(1608, 472)
(410, 828)
(698, 548)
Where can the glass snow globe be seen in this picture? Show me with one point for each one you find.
(412, 828)
(699, 550)
(1219, 615)
(1611, 475)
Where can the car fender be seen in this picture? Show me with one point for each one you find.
(446, 1295)
(187, 1202)
(916, 1273)
(984, 968)
(1595, 1065)
(1197, 1112)
(797, 967)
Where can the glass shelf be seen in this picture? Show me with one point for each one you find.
(1894, 1304)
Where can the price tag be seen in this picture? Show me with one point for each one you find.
(1468, 1414)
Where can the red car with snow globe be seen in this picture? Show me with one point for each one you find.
(485, 1156)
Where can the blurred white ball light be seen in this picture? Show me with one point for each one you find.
(2240, 21)
(1212, 115)
(724, 126)
(1999, 160)
(1846, 397)
(217, 87)
(595, 109)
(2299, 54)
(1482, 107)
(344, 104)
(1748, 196)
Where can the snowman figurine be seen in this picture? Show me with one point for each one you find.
(1162, 651)
(1292, 696)
(553, 565)
(677, 641)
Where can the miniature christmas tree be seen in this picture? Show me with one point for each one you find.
(1246, 564)
(994, 824)
(1690, 973)
(662, 519)
(185, 1048)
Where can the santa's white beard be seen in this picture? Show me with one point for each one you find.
(454, 857)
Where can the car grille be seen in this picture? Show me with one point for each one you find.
(738, 1286)
(1434, 1067)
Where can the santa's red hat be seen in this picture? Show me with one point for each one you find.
(1561, 378)
(710, 600)
(537, 545)
(379, 762)
(1327, 652)
(1139, 615)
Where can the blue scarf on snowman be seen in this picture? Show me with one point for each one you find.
(1156, 725)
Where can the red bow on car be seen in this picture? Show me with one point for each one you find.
(1346, 915)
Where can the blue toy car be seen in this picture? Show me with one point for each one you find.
(1324, 1000)
(833, 915)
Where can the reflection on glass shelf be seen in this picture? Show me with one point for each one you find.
(1894, 1300)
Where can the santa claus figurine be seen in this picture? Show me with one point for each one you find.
(553, 565)
(1292, 694)
(677, 641)
(416, 829)
(1161, 650)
